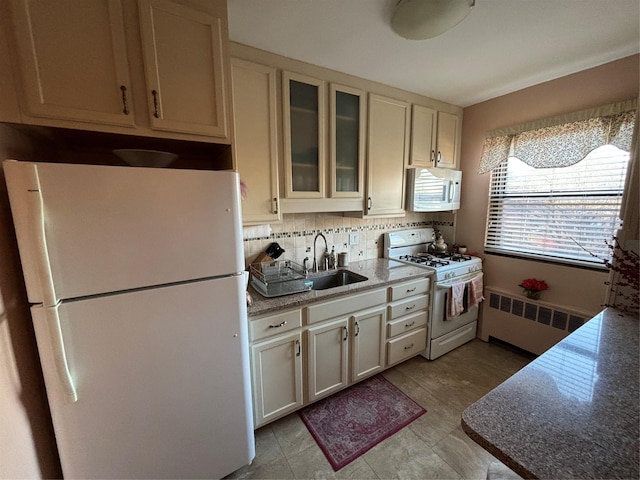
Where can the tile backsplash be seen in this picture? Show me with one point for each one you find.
(296, 232)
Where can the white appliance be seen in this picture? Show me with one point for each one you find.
(433, 189)
(135, 276)
(443, 334)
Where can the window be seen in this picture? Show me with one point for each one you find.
(561, 214)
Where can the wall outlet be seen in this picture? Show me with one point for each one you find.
(354, 239)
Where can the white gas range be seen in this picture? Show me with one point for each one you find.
(444, 333)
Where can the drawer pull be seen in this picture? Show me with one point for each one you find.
(409, 347)
(299, 352)
(409, 290)
(410, 307)
(407, 325)
(281, 324)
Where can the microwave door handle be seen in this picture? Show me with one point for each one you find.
(452, 185)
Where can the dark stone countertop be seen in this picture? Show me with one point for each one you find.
(571, 413)
(379, 271)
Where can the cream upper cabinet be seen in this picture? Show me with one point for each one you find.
(424, 121)
(347, 117)
(315, 180)
(447, 140)
(388, 142)
(73, 60)
(255, 145)
(434, 138)
(184, 68)
(304, 111)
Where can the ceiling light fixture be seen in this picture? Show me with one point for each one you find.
(422, 19)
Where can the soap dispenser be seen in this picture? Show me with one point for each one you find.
(332, 258)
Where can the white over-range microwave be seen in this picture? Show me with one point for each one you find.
(433, 189)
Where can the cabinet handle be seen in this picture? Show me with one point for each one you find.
(275, 205)
(409, 290)
(281, 324)
(407, 325)
(439, 156)
(409, 347)
(369, 203)
(433, 158)
(357, 329)
(125, 108)
(155, 103)
(346, 333)
(299, 352)
(410, 307)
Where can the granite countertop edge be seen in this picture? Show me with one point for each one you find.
(380, 272)
(513, 420)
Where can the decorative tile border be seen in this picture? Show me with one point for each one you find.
(363, 228)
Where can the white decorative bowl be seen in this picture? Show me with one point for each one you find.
(145, 158)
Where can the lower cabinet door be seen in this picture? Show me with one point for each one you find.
(277, 377)
(327, 358)
(367, 343)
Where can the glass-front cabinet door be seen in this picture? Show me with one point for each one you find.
(304, 136)
(347, 134)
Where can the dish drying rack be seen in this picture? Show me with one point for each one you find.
(275, 279)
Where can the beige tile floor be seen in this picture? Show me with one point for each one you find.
(433, 446)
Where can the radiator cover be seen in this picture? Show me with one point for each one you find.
(534, 326)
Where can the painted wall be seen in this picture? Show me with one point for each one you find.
(569, 286)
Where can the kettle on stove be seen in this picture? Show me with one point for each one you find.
(438, 246)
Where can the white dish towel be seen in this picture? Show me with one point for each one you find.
(455, 305)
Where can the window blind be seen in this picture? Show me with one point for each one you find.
(564, 214)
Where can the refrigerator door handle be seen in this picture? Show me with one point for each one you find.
(59, 355)
(35, 211)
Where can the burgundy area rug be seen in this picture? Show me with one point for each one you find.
(353, 421)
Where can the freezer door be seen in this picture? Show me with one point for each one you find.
(161, 379)
(88, 229)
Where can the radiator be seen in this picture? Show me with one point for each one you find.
(533, 325)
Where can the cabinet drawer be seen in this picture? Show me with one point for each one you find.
(407, 323)
(409, 289)
(264, 327)
(345, 305)
(408, 306)
(406, 346)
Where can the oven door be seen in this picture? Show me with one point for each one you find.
(440, 324)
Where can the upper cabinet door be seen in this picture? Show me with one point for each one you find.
(388, 139)
(73, 60)
(255, 144)
(347, 141)
(447, 140)
(184, 67)
(423, 136)
(304, 136)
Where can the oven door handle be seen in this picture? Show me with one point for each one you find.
(465, 278)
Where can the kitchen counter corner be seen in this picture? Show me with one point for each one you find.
(571, 413)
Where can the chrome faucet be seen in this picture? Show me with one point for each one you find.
(315, 256)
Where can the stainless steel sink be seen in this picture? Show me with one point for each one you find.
(335, 279)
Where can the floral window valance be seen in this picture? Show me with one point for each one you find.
(563, 140)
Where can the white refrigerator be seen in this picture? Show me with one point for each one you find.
(137, 292)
